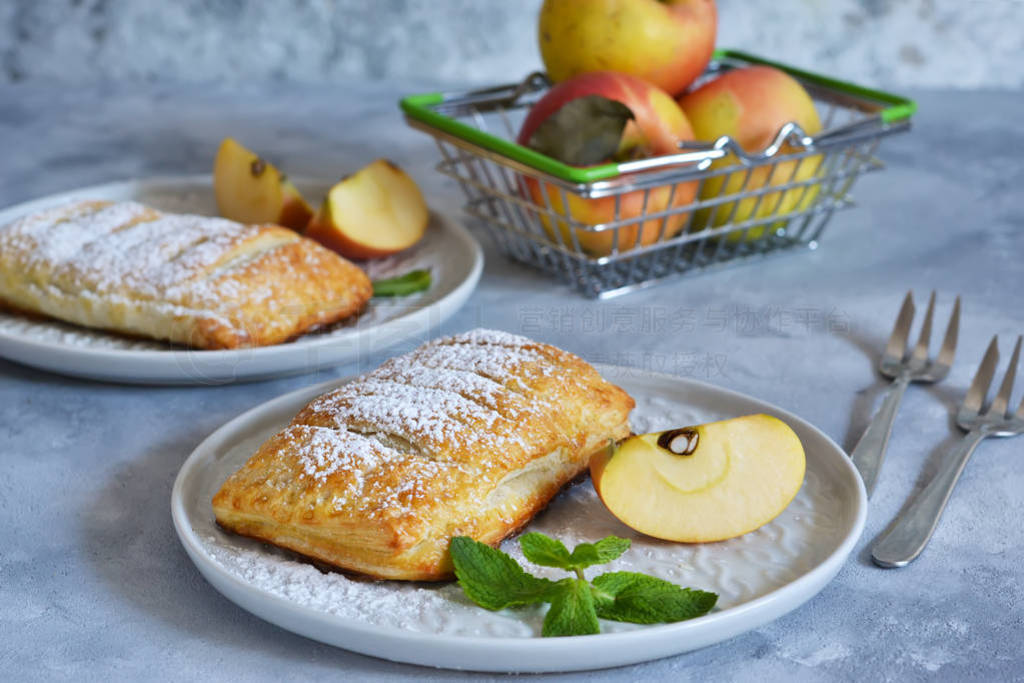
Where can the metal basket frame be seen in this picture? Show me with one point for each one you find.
(473, 132)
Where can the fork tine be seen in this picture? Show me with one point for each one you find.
(920, 353)
(1002, 399)
(1020, 409)
(897, 346)
(983, 377)
(948, 350)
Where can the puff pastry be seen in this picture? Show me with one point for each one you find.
(208, 283)
(467, 435)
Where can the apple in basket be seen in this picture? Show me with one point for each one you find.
(666, 42)
(596, 118)
(751, 104)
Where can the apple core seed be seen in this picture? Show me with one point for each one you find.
(679, 441)
(257, 167)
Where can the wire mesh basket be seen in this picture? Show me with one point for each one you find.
(616, 227)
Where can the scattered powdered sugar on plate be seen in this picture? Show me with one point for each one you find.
(739, 570)
(400, 605)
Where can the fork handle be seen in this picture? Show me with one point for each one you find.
(908, 536)
(869, 452)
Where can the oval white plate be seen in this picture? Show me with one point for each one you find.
(759, 576)
(454, 257)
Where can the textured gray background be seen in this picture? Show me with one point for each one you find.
(892, 43)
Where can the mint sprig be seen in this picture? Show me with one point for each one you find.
(494, 580)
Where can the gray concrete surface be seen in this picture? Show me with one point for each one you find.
(94, 585)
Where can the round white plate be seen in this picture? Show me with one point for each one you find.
(453, 256)
(759, 576)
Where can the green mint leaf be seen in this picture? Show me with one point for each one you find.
(549, 552)
(605, 550)
(403, 285)
(642, 599)
(492, 579)
(545, 551)
(572, 610)
(584, 131)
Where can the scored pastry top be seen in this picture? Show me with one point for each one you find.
(246, 282)
(427, 442)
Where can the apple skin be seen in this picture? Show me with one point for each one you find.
(295, 210)
(381, 198)
(668, 43)
(659, 125)
(742, 473)
(750, 105)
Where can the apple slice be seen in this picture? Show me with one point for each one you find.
(374, 212)
(705, 483)
(251, 190)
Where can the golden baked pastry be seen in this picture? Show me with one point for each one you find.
(467, 435)
(208, 283)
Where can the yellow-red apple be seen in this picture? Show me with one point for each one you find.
(704, 483)
(374, 212)
(250, 189)
(750, 105)
(657, 127)
(666, 42)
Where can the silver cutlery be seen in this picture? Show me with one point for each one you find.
(903, 368)
(907, 537)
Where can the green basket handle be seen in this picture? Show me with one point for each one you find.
(423, 108)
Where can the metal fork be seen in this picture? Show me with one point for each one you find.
(907, 537)
(869, 452)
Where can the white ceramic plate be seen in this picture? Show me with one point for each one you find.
(454, 257)
(759, 576)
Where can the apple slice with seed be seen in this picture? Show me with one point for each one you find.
(251, 190)
(704, 483)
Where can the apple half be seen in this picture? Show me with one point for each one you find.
(375, 212)
(251, 190)
(704, 483)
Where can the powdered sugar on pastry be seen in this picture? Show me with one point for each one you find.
(470, 434)
(325, 451)
(200, 281)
